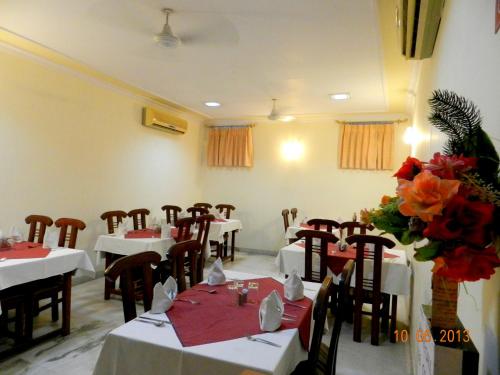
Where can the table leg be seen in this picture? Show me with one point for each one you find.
(233, 235)
(108, 285)
(394, 309)
(66, 303)
(225, 244)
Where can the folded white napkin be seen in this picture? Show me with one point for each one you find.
(270, 312)
(129, 225)
(216, 275)
(183, 214)
(294, 287)
(166, 231)
(296, 222)
(51, 238)
(16, 234)
(163, 296)
(216, 213)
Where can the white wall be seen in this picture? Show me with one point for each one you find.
(466, 60)
(70, 147)
(313, 184)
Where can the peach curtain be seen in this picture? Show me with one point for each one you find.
(230, 147)
(366, 146)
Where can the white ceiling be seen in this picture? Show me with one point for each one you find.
(242, 52)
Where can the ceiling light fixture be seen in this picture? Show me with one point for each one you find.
(212, 104)
(166, 37)
(340, 96)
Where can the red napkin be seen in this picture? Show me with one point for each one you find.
(219, 318)
(24, 250)
(143, 233)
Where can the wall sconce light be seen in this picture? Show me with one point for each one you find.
(412, 136)
(292, 150)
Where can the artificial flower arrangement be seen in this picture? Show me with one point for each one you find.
(453, 200)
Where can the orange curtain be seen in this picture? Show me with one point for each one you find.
(230, 147)
(366, 146)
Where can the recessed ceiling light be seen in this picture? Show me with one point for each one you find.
(212, 104)
(340, 96)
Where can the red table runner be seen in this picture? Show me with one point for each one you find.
(311, 227)
(219, 318)
(337, 259)
(220, 220)
(24, 250)
(143, 233)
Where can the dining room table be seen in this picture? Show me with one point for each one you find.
(396, 273)
(26, 262)
(219, 228)
(210, 333)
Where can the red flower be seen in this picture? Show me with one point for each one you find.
(466, 264)
(410, 168)
(450, 167)
(462, 219)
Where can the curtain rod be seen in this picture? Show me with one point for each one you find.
(231, 126)
(398, 121)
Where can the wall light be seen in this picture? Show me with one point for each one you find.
(412, 136)
(292, 150)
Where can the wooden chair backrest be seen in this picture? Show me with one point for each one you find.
(184, 229)
(351, 227)
(203, 222)
(38, 224)
(286, 220)
(197, 211)
(171, 213)
(225, 209)
(178, 252)
(294, 212)
(139, 217)
(208, 206)
(127, 269)
(68, 239)
(319, 316)
(319, 223)
(113, 218)
(311, 248)
(342, 303)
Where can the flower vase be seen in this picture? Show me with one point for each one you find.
(444, 302)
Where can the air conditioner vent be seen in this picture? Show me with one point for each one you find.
(155, 119)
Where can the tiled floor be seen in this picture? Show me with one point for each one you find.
(93, 318)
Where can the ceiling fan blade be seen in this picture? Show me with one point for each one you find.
(205, 29)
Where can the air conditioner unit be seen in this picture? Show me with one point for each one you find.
(418, 23)
(153, 118)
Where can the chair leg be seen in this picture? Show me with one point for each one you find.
(334, 299)
(29, 306)
(357, 321)
(19, 329)
(54, 306)
(66, 304)
(375, 321)
(386, 301)
(233, 236)
(394, 310)
(108, 285)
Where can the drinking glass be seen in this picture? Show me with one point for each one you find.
(253, 291)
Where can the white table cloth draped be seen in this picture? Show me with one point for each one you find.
(138, 348)
(218, 228)
(58, 261)
(292, 230)
(396, 273)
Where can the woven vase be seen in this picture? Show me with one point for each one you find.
(444, 302)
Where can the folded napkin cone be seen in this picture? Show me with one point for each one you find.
(51, 239)
(294, 288)
(270, 312)
(163, 296)
(216, 275)
(166, 230)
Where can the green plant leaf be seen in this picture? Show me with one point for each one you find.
(427, 252)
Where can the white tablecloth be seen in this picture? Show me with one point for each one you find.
(139, 348)
(128, 246)
(396, 273)
(59, 261)
(218, 228)
(292, 230)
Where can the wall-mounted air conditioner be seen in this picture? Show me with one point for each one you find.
(153, 118)
(418, 24)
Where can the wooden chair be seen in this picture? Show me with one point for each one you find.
(225, 209)
(311, 237)
(322, 359)
(319, 223)
(51, 286)
(207, 206)
(127, 268)
(197, 211)
(294, 212)
(367, 290)
(352, 226)
(139, 217)
(38, 224)
(113, 219)
(286, 220)
(171, 213)
(178, 253)
(184, 231)
(203, 222)
(13, 298)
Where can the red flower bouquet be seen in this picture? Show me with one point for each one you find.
(453, 200)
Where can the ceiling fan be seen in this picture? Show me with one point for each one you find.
(275, 115)
(166, 37)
